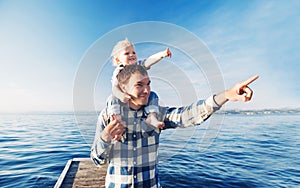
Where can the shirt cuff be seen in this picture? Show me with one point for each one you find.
(211, 102)
(104, 144)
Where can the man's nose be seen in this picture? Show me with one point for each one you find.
(146, 89)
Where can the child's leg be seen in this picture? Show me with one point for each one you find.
(152, 120)
(112, 106)
(152, 110)
(113, 111)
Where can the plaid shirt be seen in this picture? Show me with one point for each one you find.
(133, 162)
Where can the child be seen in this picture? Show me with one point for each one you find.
(124, 54)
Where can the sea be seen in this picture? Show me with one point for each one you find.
(232, 149)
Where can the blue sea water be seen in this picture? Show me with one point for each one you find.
(244, 150)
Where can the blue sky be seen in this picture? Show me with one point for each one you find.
(43, 43)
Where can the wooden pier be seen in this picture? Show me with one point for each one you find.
(82, 172)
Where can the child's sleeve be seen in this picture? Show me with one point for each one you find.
(142, 63)
(152, 105)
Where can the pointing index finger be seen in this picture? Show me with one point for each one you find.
(250, 80)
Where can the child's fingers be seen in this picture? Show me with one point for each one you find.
(161, 125)
(169, 54)
(113, 117)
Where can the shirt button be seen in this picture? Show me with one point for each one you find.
(134, 136)
(134, 149)
(134, 122)
(134, 162)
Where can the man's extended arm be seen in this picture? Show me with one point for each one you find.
(198, 112)
(191, 115)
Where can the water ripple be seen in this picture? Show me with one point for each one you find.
(250, 151)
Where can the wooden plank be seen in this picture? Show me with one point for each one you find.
(81, 172)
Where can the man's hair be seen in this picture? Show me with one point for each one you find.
(125, 74)
(118, 47)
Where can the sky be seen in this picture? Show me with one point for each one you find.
(43, 45)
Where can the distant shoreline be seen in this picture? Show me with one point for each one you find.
(262, 111)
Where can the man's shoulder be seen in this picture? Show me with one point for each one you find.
(162, 112)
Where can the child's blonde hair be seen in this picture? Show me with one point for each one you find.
(117, 48)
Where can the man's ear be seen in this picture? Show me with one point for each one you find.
(123, 88)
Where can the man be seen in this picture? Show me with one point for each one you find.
(133, 159)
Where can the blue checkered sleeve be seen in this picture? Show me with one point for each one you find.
(191, 115)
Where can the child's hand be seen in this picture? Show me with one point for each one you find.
(168, 53)
(125, 98)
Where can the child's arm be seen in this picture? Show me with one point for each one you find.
(157, 57)
(124, 97)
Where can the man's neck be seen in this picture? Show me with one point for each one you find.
(134, 107)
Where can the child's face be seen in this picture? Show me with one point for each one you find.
(127, 56)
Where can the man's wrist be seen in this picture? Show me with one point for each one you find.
(105, 137)
(220, 98)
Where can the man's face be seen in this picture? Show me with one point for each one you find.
(138, 87)
(127, 56)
